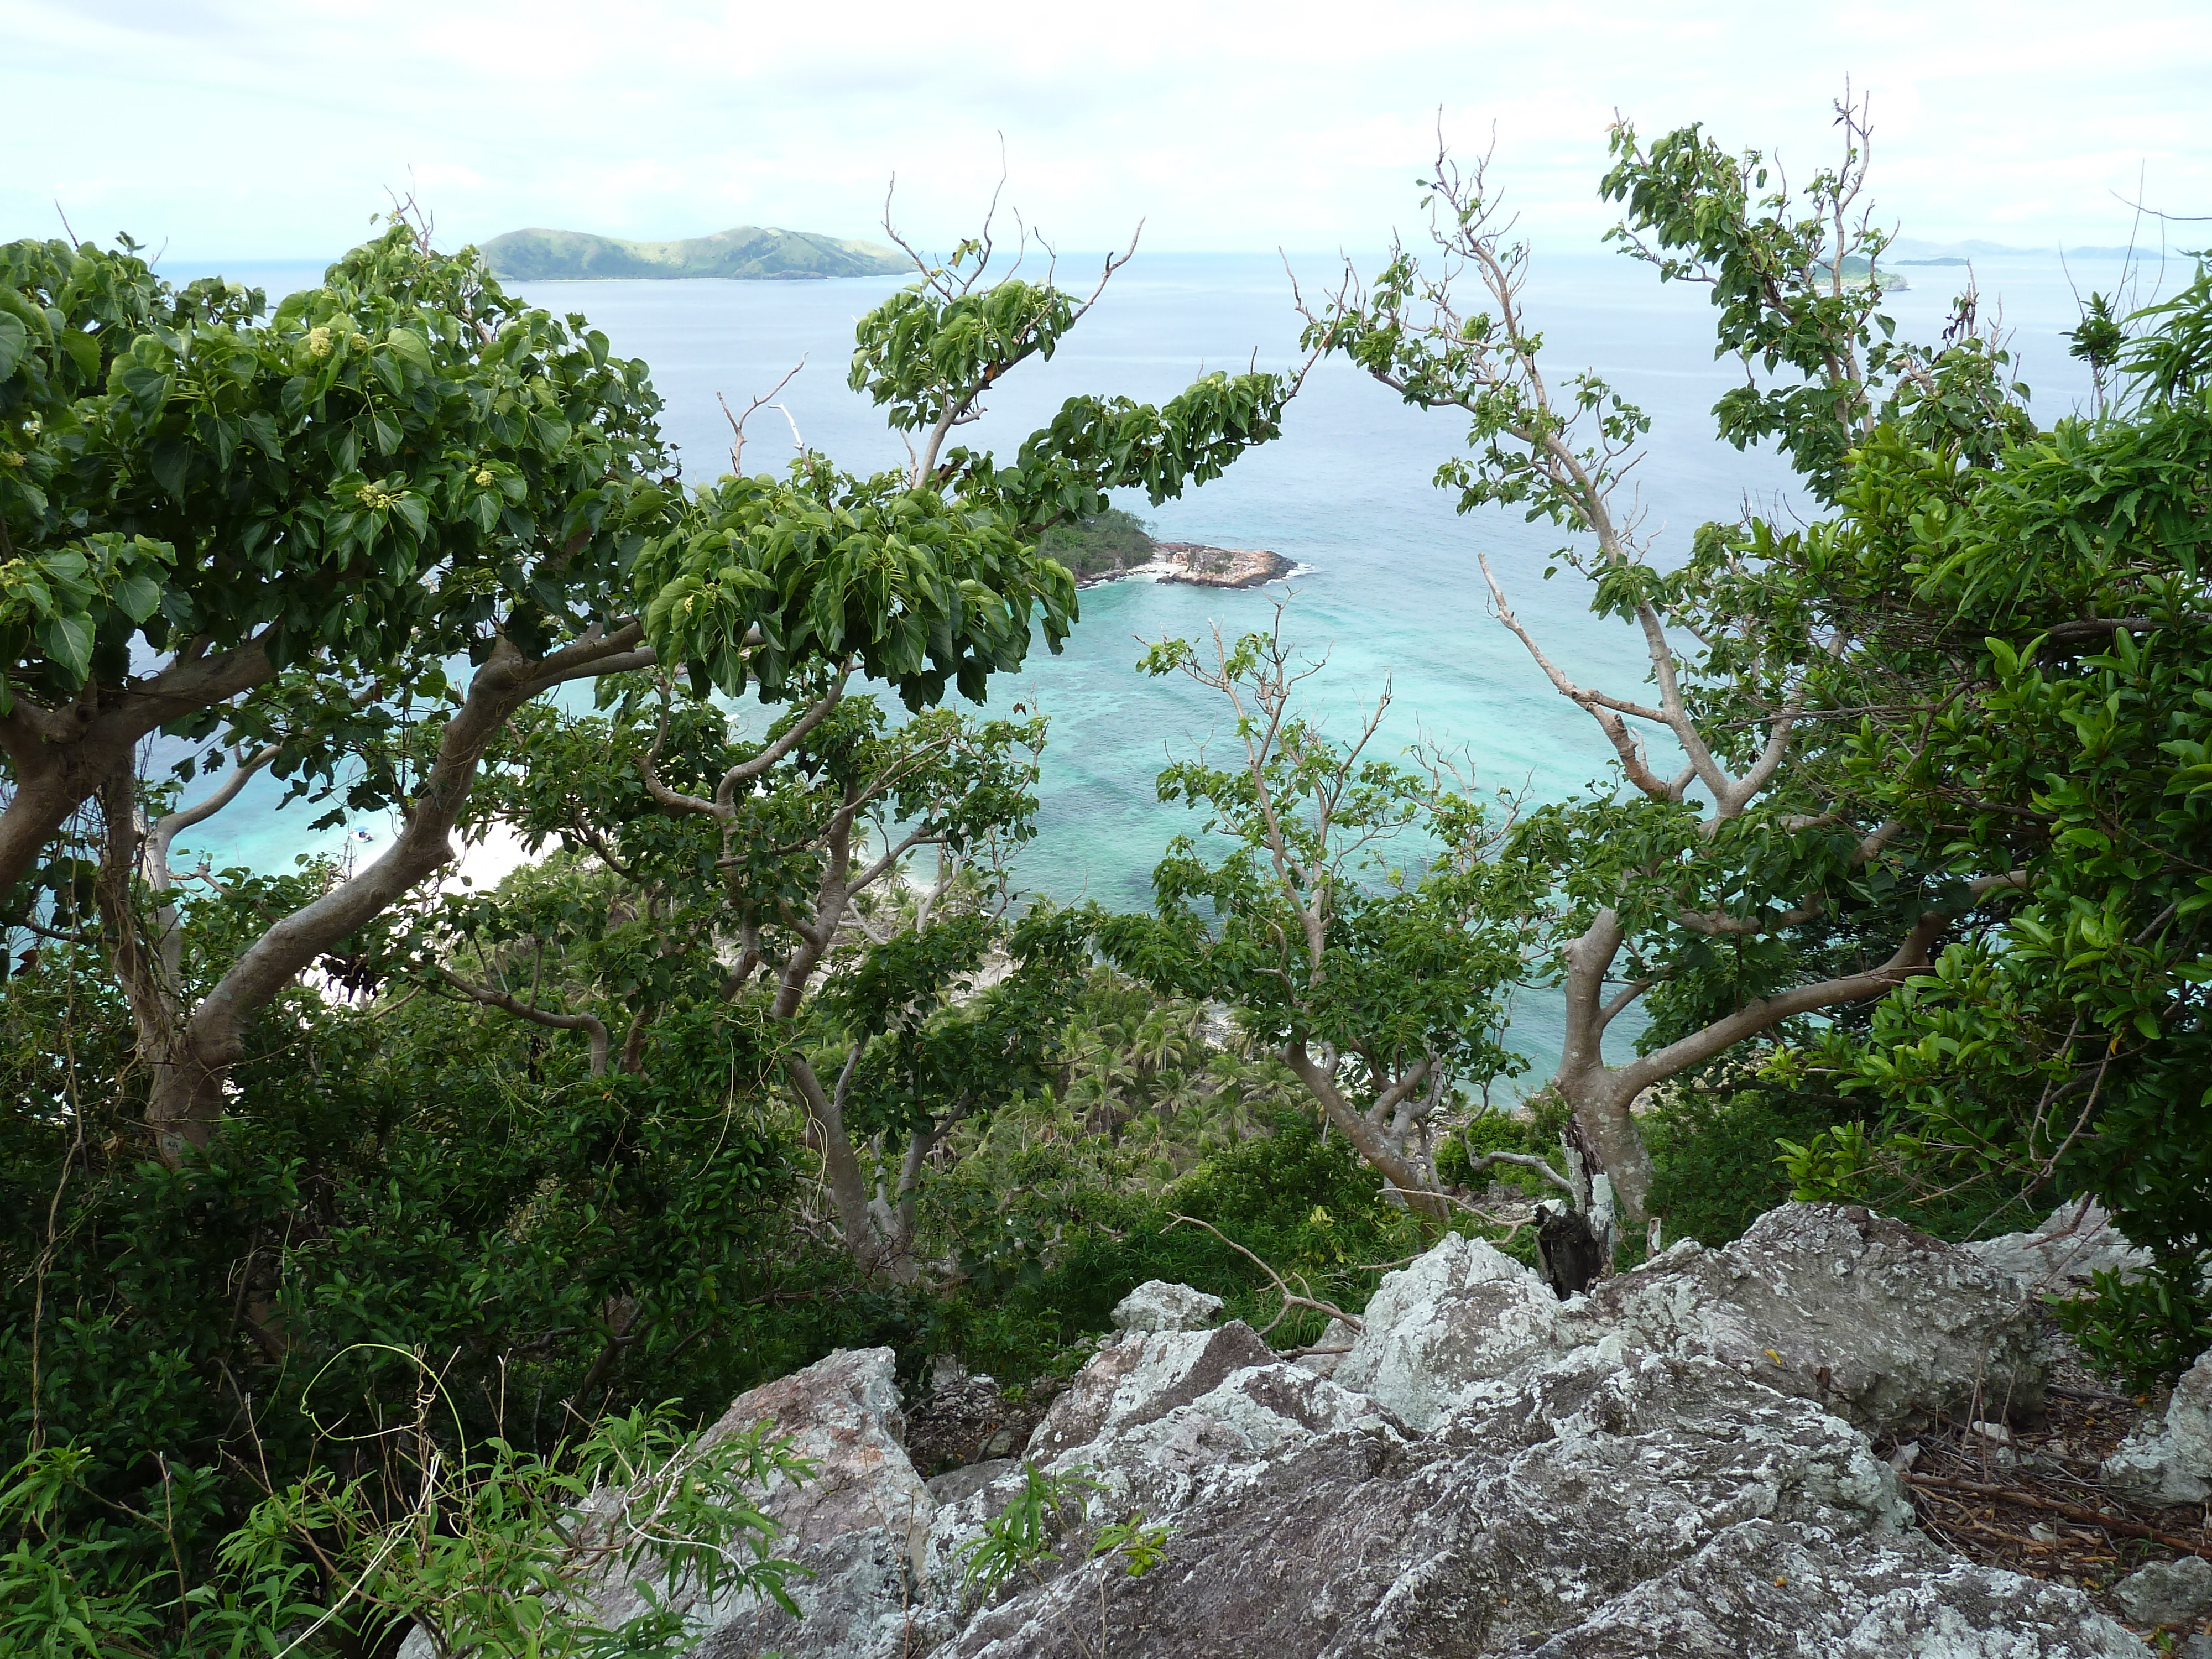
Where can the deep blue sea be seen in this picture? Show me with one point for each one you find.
(1390, 592)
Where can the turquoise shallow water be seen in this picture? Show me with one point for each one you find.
(1390, 589)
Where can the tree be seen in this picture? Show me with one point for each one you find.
(279, 532)
(1381, 982)
(743, 877)
(1752, 885)
(925, 579)
(2063, 728)
(518, 518)
(195, 498)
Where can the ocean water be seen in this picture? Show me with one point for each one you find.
(1389, 595)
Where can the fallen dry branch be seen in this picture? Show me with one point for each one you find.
(2088, 1517)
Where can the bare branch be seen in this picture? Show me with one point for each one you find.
(492, 997)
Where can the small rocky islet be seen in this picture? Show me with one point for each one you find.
(1198, 565)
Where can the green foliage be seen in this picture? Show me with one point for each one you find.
(362, 480)
(1099, 544)
(1780, 264)
(933, 576)
(1714, 1150)
(1053, 1226)
(1357, 911)
(2064, 1047)
(1138, 1546)
(484, 1552)
(2144, 1332)
(1020, 1537)
(395, 1178)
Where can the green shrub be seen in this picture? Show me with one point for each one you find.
(1716, 1155)
(1113, 540)
(2143, 1332)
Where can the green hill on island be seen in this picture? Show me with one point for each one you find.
(747, 252)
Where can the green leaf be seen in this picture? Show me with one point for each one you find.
(137, 596)
(409, 346)
(68, 641)
(171, 460)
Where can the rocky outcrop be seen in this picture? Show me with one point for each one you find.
(2177, 1592)
(2172, 1463)
(2057, 1258)
(1878, 1323)
(1490, 1474)
(1462, 1314)
(1218, 567)
(860, 1525)
(1156, 1305)
(1609, 1502)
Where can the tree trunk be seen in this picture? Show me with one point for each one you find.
(1602, 1098)
(189, 1056)
(185, 1103)
(840, 1167)
(1369, 1141)
(1592, 1090)
(64, 757)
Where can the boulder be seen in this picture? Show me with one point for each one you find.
(1143, 1376)
(844, 1414)
(1762, 1588)
(956, 1484)
(2172, 1463)
(859, 1524)
(1877, 1321)
(1460, 1315)
(1662, 1466)
(2177, 1592)
(2076, 1240)
(1611, 1501)
(1156, 1305)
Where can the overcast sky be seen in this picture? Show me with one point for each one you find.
(251, 130)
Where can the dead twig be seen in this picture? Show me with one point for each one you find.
(2090, 1517)
(1291, 1299)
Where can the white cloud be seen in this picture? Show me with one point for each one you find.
(248, 128)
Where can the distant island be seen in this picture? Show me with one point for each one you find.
(747, 252)
(1116, 544)
(1859, 271)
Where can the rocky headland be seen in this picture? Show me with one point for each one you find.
(1201, 566)
(1724, 1453)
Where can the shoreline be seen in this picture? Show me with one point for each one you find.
(1196, 565)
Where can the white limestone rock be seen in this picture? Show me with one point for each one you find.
(1876, 1321)
(1156, 1305)
(2177, 1592)
(1463, 1314)
(2076, 1240)
(2172, 1464)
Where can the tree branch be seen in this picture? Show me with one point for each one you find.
(589, 1025)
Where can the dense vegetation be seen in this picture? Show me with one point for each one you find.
(336, 1200)
(1098, 543)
